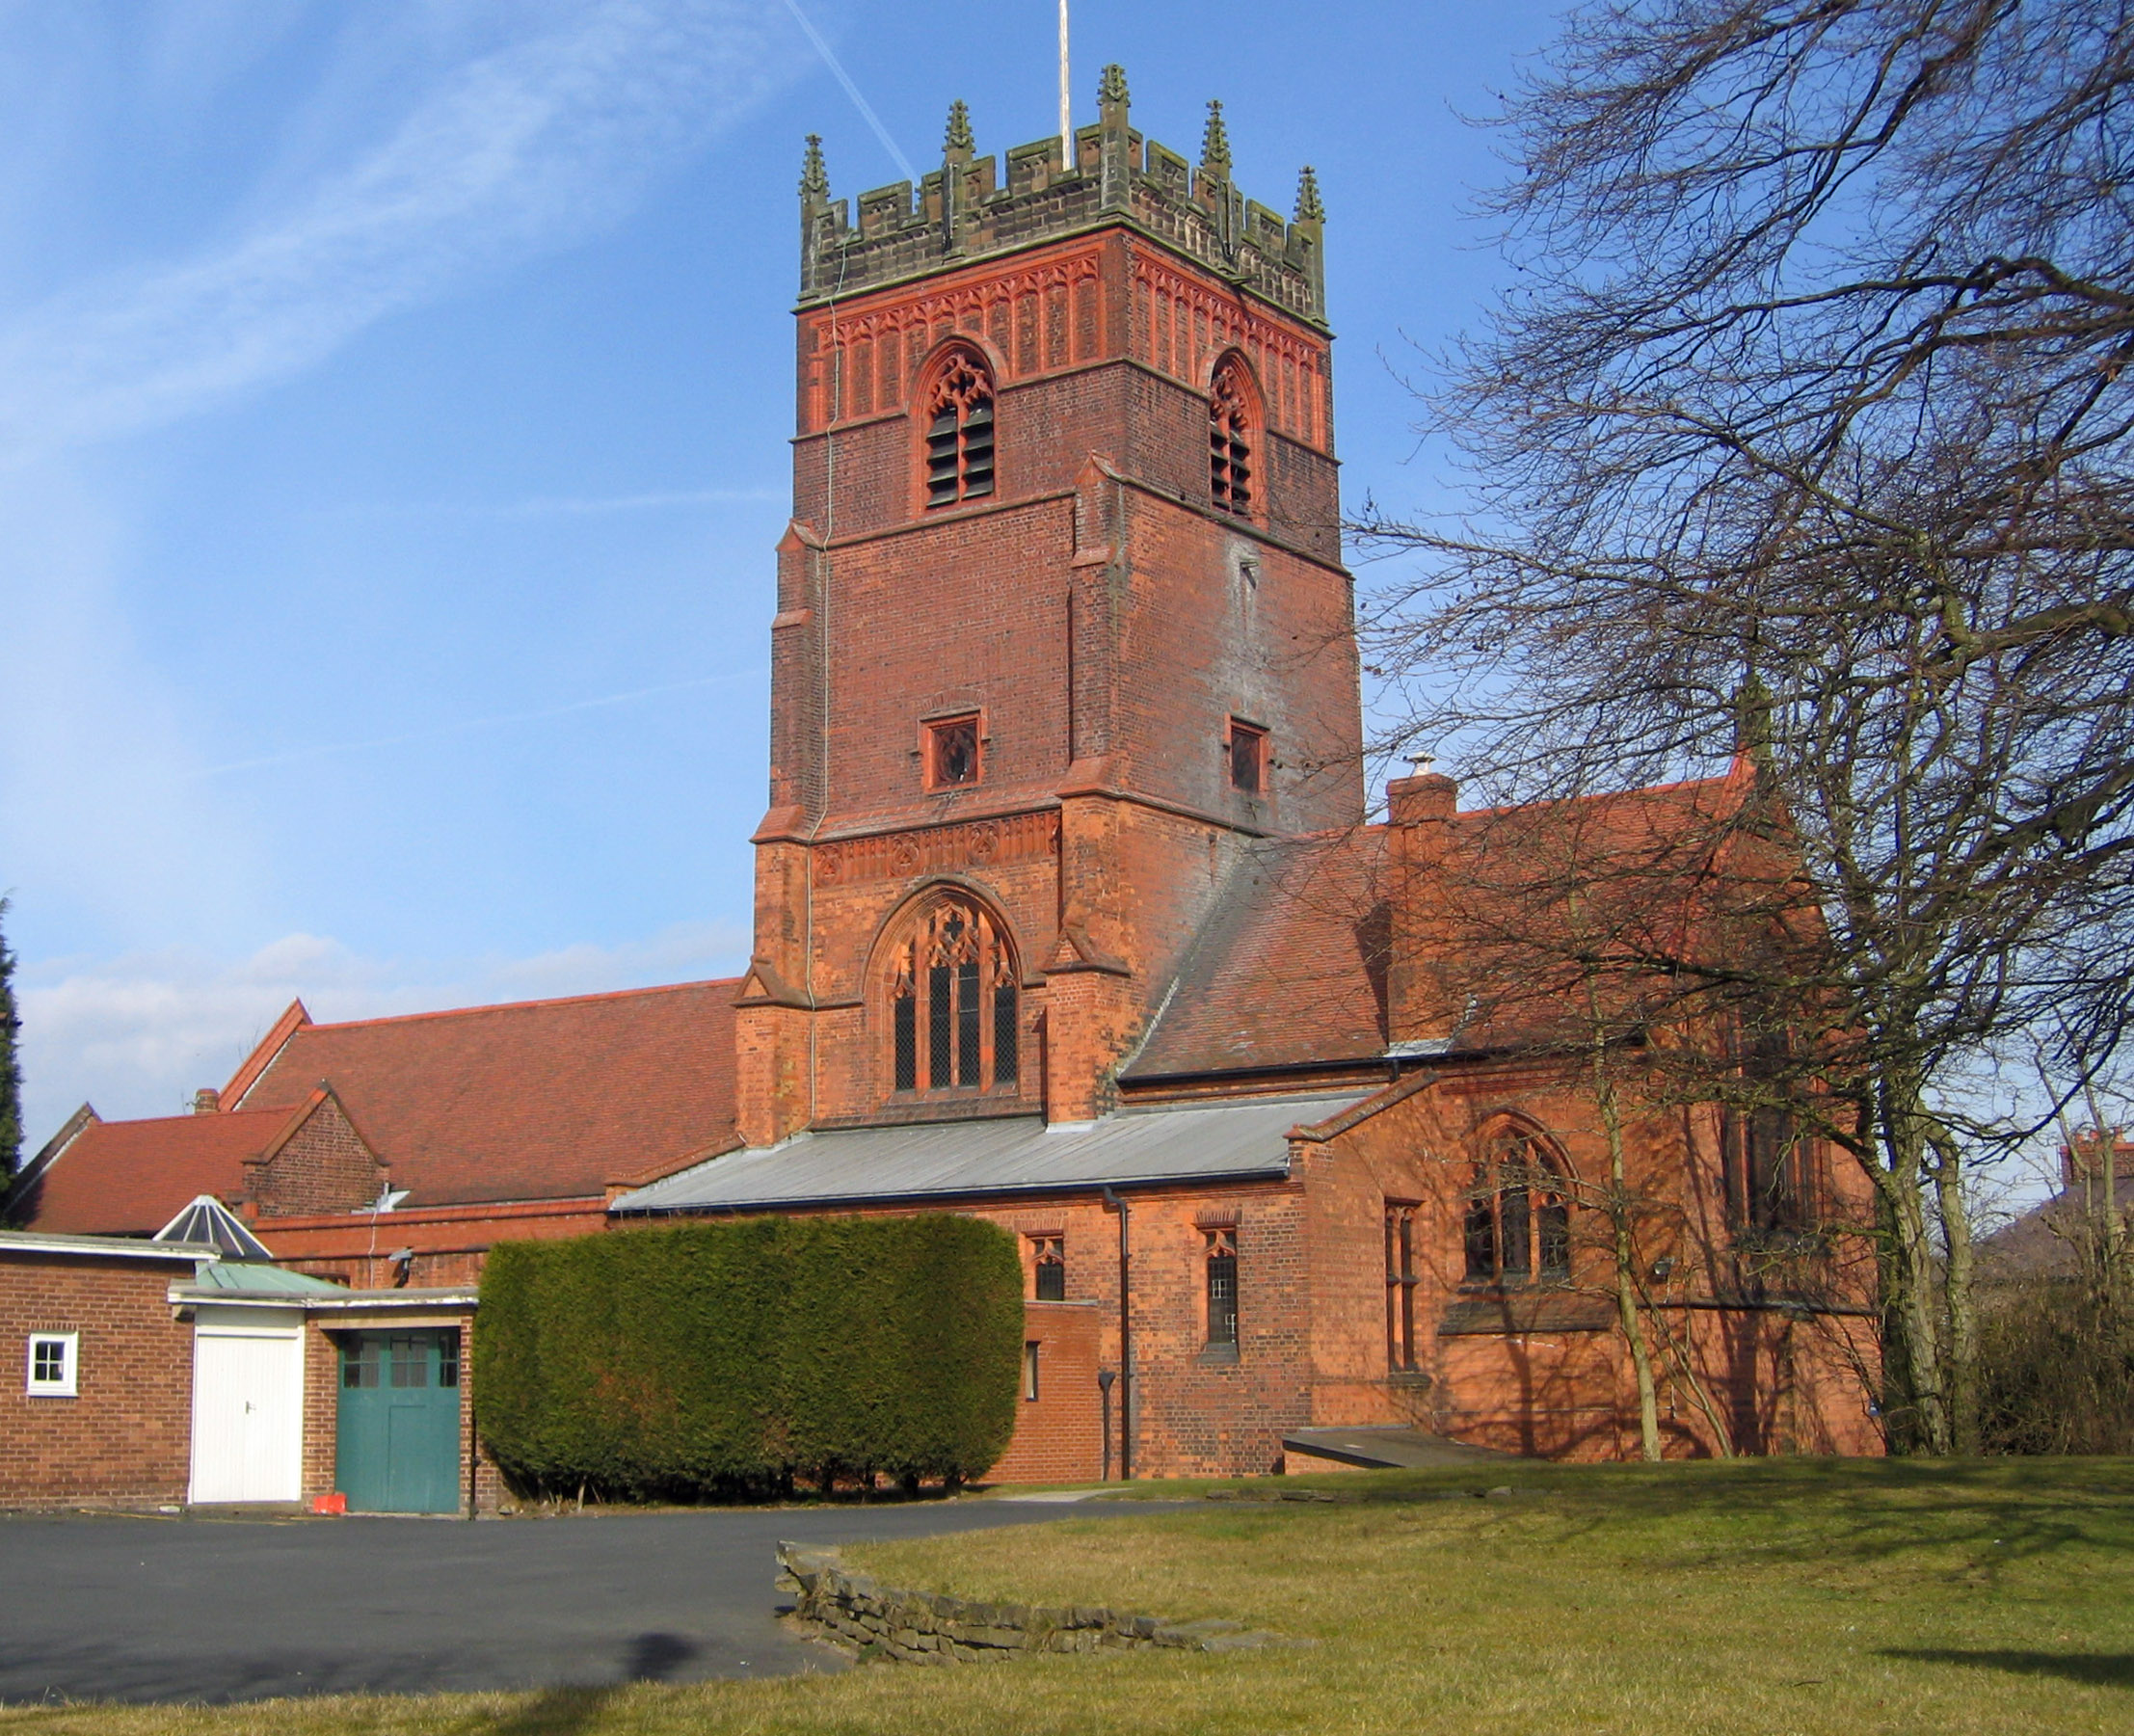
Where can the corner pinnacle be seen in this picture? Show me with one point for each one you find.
(1111, 87)
(959, 142)
(815, 179)
(1308, 207)
(1215, 144)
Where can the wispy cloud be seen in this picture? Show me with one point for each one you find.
(135, 1034)
(522, 149)
(566, 506)
(466, 726)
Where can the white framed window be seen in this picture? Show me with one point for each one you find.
(53, 1356)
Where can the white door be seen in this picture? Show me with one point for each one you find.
(248, 1412)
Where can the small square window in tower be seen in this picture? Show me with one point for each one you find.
(953, 752)
(1248, 758)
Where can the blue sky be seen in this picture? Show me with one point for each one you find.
(393, 402)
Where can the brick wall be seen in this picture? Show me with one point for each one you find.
(450, 1242)
(126, 1438)
(1059, 1434)
(478, 1479)
(1785, 1376)
(323, 1166)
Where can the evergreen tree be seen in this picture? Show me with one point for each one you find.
(11, 1069)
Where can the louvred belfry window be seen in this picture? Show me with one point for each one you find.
(959, 433)
(1230, 442)
(954, 1006)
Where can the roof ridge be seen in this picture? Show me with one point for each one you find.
(516, 1006)
(188, 1118)
(1721, 780)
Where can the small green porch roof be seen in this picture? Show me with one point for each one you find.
(245, 1277)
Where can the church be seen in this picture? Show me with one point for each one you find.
(1071, 912)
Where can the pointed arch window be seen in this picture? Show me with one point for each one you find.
(1517, 1227)
(959, 431)
(1767, 1155)
(1230, 440)
(954, 1008)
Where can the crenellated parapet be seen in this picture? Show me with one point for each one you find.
(972, 206)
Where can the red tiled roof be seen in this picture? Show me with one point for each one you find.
(539, 1100)
(130, 1178)
(1290, 968)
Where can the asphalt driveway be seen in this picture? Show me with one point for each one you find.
(114, 1607)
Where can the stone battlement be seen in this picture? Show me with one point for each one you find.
(968, 209)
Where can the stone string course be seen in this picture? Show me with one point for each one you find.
(926, 1627)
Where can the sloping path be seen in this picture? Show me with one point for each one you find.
(114, 1607)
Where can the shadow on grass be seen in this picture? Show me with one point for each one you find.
(2106, 1670)
(1860, 1511)
(570, 1711)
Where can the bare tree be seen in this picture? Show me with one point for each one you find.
(11, 1069)
(1807, 427)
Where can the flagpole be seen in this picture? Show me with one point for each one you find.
(1066, 110)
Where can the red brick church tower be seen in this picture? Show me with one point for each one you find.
(1061, 620)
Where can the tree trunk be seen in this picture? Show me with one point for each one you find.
(1918, 1421)
(1628, 1312)
(1960, 1313)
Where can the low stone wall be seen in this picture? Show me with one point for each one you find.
(924, 1627)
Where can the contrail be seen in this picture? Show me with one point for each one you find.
(474, 723)
(852, 91)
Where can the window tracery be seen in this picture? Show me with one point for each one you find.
(1517, 1227)
(954, 1006)
(959, 432)
(1230, 438)
(1768, 1161)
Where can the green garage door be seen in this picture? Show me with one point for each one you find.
(397, 1443)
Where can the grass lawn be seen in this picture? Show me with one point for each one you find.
(1770, 1597)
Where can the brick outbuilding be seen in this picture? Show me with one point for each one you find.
(95, 1372)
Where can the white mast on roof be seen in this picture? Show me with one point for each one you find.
(1066, 110)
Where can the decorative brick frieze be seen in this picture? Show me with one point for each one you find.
(937, 849)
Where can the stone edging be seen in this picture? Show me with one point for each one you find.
(926, 1627)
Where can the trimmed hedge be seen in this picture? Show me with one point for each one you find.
(733, 1356)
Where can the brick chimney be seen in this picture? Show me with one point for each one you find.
(1420, 1005)
(206, 1101)
(1422, 796)
(2086, 1156)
